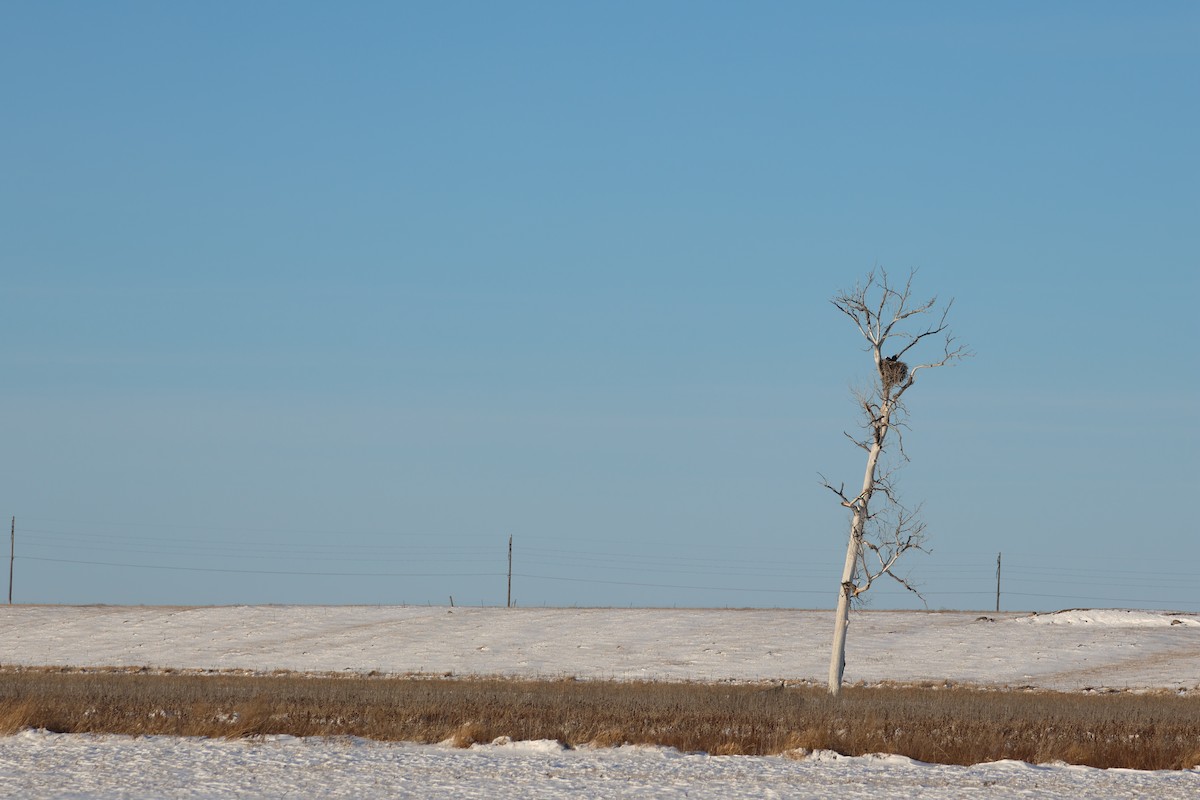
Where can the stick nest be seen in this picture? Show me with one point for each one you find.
(892, 371)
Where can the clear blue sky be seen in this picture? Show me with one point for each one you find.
(365, 288)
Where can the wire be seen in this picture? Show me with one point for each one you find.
(275, 572)
(1101, 599)
(668, 585)
(608, 566)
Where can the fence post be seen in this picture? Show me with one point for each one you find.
(12, 554)
(509, 571)
(998, 582)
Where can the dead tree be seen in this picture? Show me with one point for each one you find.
(881, 532)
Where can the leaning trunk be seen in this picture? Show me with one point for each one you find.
(837, 660)
(858, 523)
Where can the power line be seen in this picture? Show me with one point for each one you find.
(608, 566)
(252, 556)
(1102, 599)
(274, 572)
(670, 585)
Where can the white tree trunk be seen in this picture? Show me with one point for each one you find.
(837, 659)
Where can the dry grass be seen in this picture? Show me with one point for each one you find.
(945, 725)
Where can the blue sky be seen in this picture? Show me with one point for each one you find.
(308, 303)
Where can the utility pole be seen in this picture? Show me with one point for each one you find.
(509, 571)
(12, 553)
(998, 582)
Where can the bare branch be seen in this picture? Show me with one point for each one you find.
(908, 585)
(840, 491)
(932, 330)
(857, 442)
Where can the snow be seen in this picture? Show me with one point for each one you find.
(1112, 616)
(37, 765)
(1071, 650)
(532, 746)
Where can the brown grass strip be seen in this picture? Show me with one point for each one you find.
(942, 725)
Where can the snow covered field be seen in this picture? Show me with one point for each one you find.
(1070, 650)
(1076, 650)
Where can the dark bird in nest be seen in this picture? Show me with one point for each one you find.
(893, 371)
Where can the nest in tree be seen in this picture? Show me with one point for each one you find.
(893, 371)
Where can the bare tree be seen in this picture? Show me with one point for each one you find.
(888, 317)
